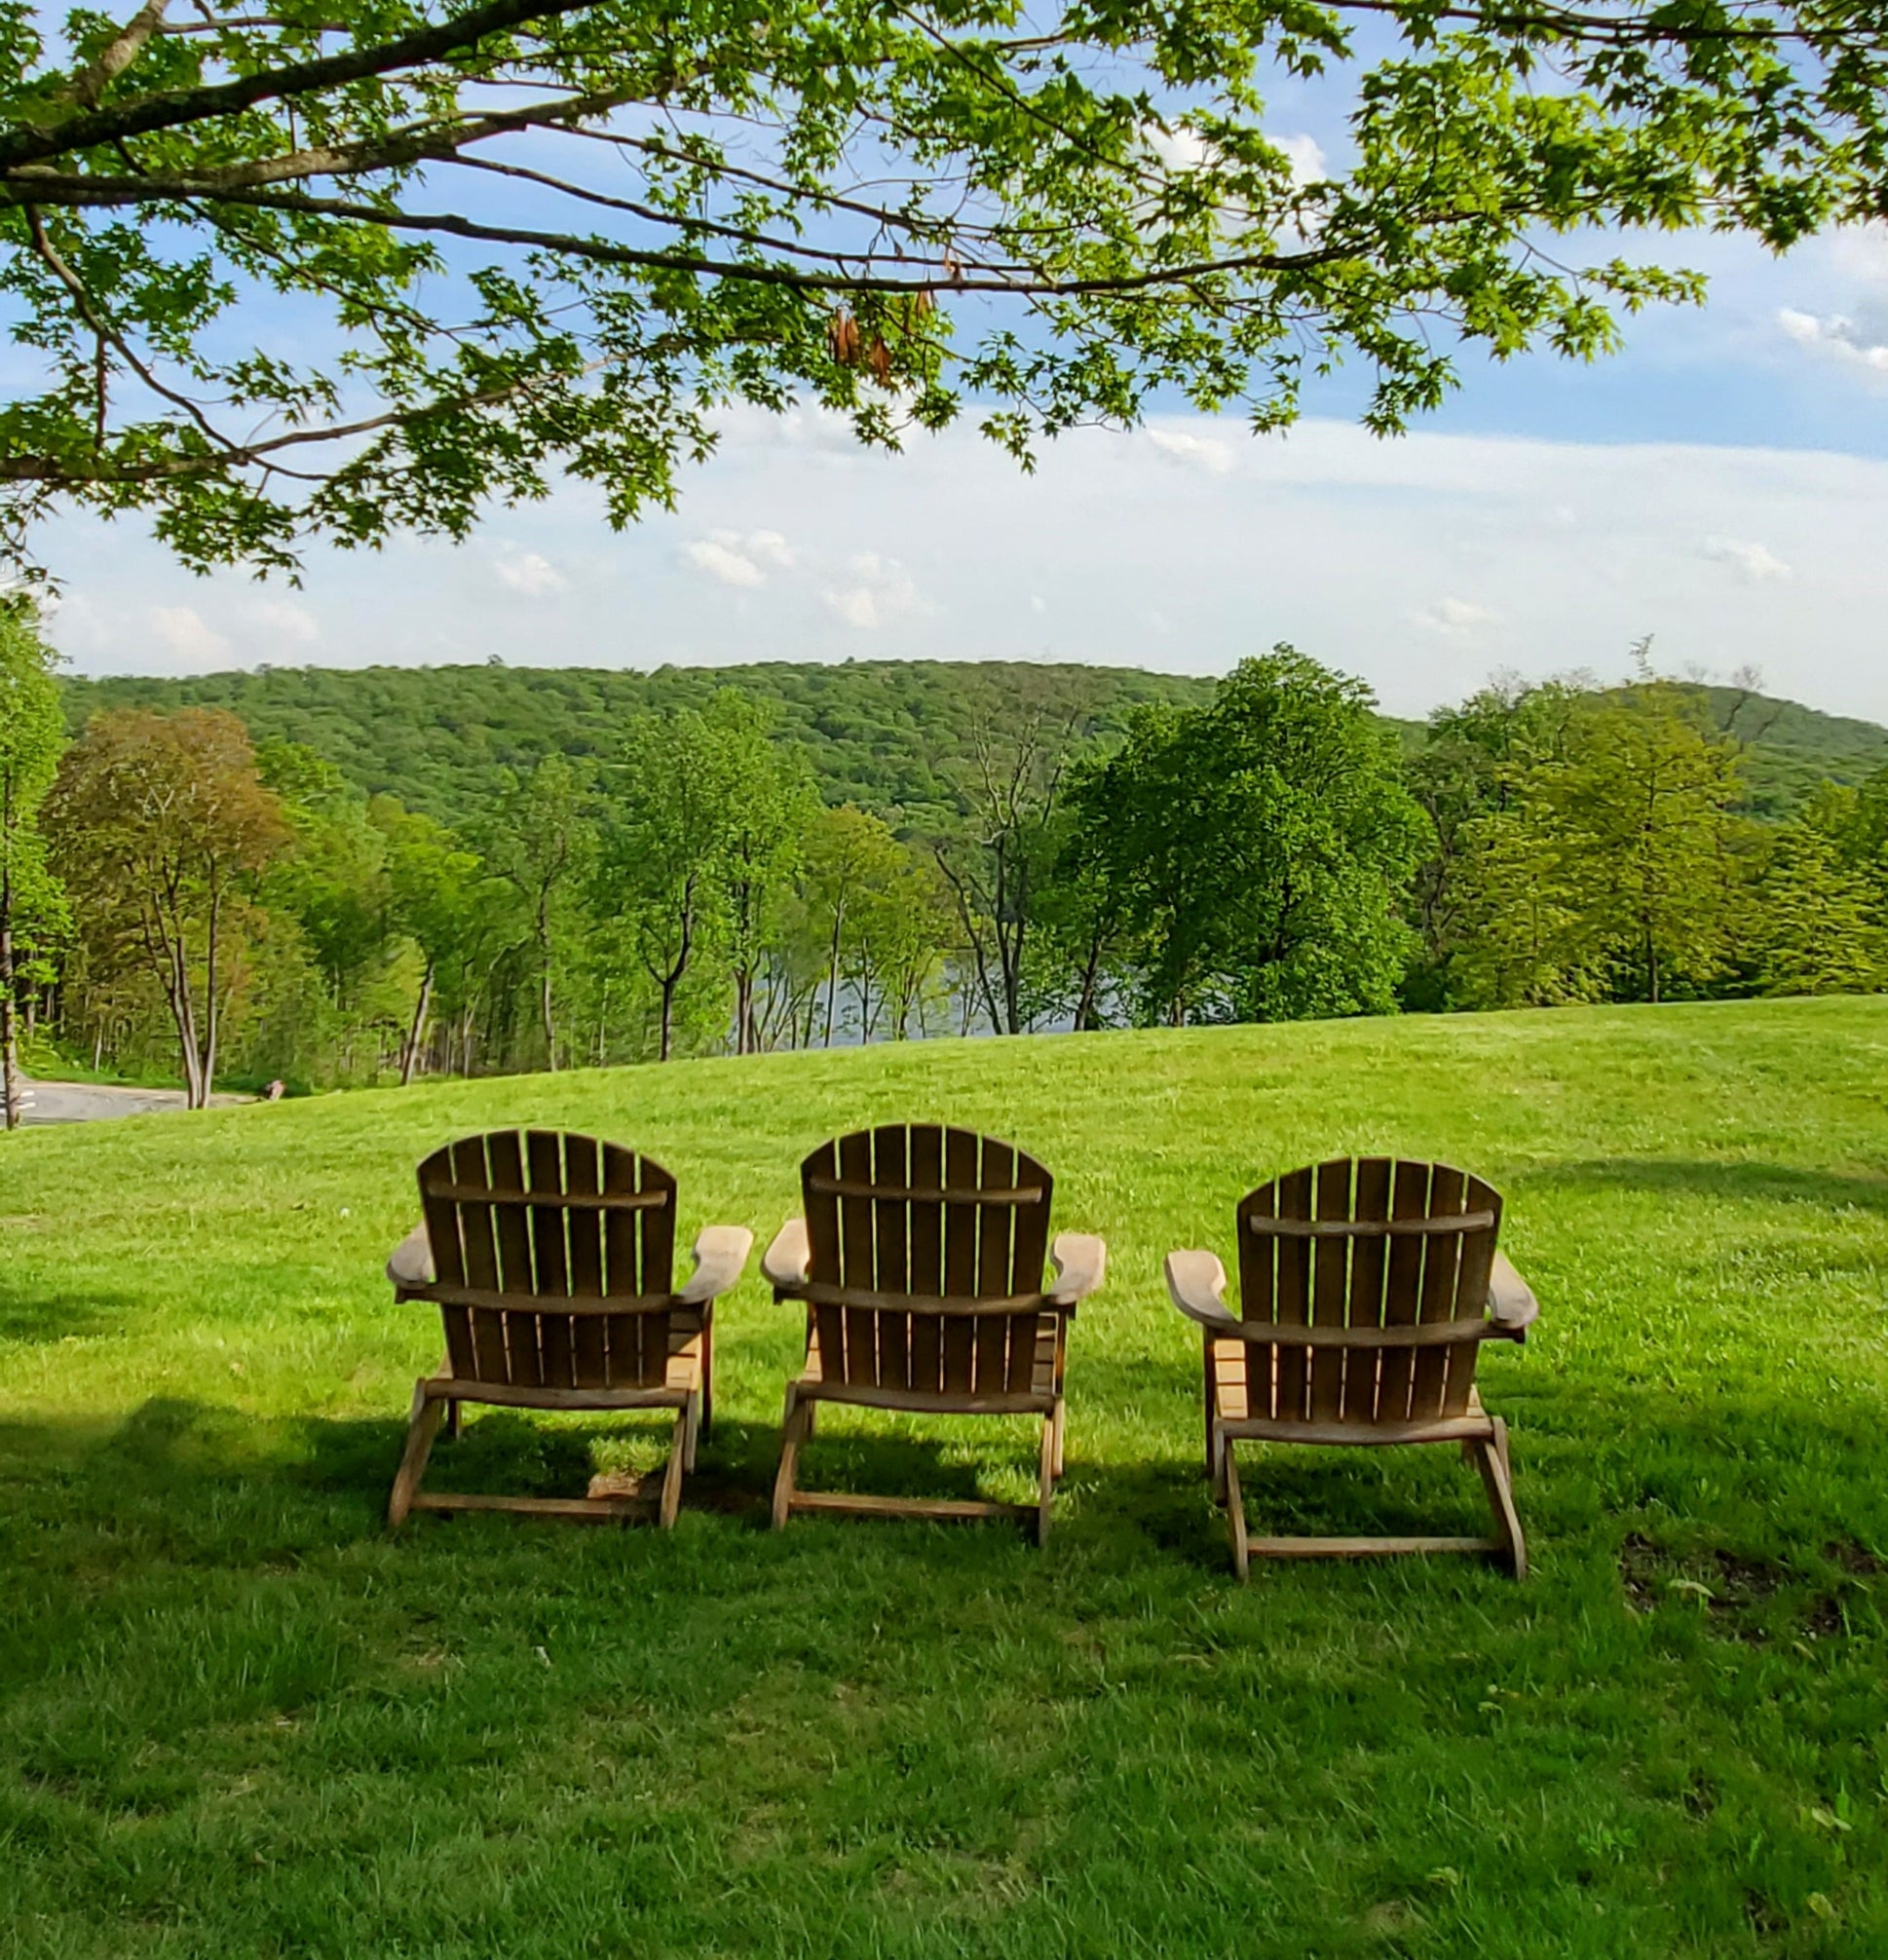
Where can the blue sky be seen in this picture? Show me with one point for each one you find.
(1722, 485)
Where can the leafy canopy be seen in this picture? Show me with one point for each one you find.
(495, 240)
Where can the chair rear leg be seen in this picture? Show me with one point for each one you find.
(1236, 1510)
(428, 1413)
(455, 1420)
(795, 1427)
(1497, 1480)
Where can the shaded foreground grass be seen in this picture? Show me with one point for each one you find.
(234, 1719)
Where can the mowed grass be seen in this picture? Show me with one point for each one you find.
(235, 1720)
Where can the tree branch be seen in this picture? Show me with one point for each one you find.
(86, 191)
(119, 55)
(230, 98)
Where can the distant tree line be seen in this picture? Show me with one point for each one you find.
(176, 895)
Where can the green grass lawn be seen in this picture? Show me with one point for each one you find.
(235, 1720)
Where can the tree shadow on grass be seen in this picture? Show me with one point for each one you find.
(36, 1317)
(1756, 1183)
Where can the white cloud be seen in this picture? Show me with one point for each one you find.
(1343, 544)
(1306, 158)
(1037, 604)
(771, 549)
(530, 573)
(881, 591)
(1461, 619)
(1836, 336)
(1754, 561)
(1178, 145)
(182, 630)
(286, 620)
(736, 560)
(722, 561)
(1200, 452)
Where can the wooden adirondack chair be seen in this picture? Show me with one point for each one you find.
(919, 1258)
(1366, 1288)
(552, 1259)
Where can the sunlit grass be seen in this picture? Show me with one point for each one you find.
(234, 1719)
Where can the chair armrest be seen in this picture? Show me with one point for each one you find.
(720, 1255)
(411, 1263)
(1196, 1285)
(1080, 1261)
(789, 1259)
(1512, 1306)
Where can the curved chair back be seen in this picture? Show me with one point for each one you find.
(1384, 1264)
(553, 1258)
(928, 1247)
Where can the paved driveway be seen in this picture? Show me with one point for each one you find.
(89, 1102)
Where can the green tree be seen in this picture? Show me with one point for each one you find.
(33, 733)
(850, 857)
(159, 824)
(771, 804)
(332, 883)
(1465, 777)
(460, 915)
(997, 860)
(1817, 926)
(542, 839)
(758, 204)
(1259, 847)
(661, 870)
(1643, 805)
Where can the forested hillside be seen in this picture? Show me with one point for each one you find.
(345, 877)
(877, 733)
(880, 733)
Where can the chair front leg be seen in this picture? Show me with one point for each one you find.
(1236, 1510)
(429, 1412)
(793, 1431)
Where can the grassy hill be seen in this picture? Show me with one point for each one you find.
(235, 1720)
(881, 733)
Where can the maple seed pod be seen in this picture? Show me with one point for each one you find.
(842, 337)
(881, 360)
(923, 305)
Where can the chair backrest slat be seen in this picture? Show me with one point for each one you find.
(1330, 1288)
(1365, 1244)
(892, 1236)
(1368, 1265)
(924, 1241)
(905, 1221)
(525, 1216)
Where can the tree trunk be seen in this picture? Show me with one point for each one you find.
(1090, 973)
(212, 1019)
(8, 1039)
(669, 1016)
(744, 1042)
(551, 1030)
(409, 1056)
(832, 972)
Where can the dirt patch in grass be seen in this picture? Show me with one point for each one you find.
(1856, 1559)
(1723, 1581)
(1733, 1590)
